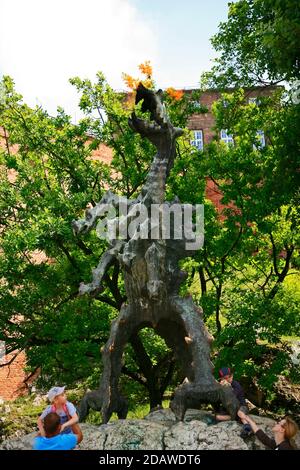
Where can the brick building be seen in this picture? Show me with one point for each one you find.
(202, 126)
(13, 378)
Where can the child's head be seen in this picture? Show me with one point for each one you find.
(226, 374)
(57, 396)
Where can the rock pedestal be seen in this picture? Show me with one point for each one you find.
(160, 431)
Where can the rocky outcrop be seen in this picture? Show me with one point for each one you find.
(287, 396)
(160, 431)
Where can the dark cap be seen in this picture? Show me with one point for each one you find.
(224, 371)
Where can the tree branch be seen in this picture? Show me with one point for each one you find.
(12, 359)
(133, 375)
(274, 253)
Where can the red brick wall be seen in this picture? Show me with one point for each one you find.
(12, 377)
(213, 193)
(102, 153)
(206, 122)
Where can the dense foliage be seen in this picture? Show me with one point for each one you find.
(246, 276)
(48, 177)
(252, 257)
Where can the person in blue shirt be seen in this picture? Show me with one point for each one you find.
(53, 439)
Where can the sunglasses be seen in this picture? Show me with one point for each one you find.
(281, 423)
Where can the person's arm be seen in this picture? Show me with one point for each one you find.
(78, 433)
(220, 417)
(250, 421)
(72, 415)
(71, 422)
(260, 434)
(242, 414)
(239, 393)
(41, 426)
(40, 421)
(266, 440)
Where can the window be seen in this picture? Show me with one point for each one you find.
(260, 135)
(227, 138)
(196, 104)
(197, 140)
(254, 100)
(225, 103)
(261, 142)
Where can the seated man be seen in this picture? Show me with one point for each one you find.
(226, 379)
(54, 440)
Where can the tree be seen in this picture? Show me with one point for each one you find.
(259, 44)
(249, 255)
(48, 177)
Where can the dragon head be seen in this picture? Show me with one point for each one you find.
(159, 127)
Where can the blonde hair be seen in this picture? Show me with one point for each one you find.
(290, 428)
